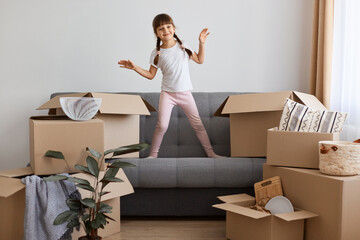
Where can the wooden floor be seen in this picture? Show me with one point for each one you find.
(171, 229)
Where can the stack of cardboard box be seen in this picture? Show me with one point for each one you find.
(115, 125)
(294, 156)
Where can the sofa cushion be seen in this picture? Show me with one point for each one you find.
(194, 172)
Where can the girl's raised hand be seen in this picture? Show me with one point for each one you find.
(203, 35)
(126, 64)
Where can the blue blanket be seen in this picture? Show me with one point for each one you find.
(45, 200)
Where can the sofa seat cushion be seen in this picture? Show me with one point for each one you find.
(194, 172)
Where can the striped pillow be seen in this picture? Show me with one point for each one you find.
(327, 121)
(301, 118)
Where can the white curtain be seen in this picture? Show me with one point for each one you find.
(345, 85)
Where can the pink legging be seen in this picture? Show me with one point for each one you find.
(186, 101)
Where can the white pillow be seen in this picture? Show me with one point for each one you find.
(301, 118)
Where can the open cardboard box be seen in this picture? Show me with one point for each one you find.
(336, 200)
(251, 115)
(12, 202)
(120, 113)
(113, 199)
(243, 222)
(295, 149)
(64, 135)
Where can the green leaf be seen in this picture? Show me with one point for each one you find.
(79, 180)
(86, 187)
(95, 224)
(55, 178)
(73, 204)
(111, 172)
(119, 164)
(88, 227)
(85, 217)
(131, 148)
(82, 168)
(111, 179)
(127, 149)
(92, 166)
(107, 217)
(102, 218)
(103, 193)
(54, 154)
(88, 202)
(98, 221)
(104, 208)
(65, 217)
(73, 223)
(94, 153)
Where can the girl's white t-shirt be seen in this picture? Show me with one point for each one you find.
(174, 65)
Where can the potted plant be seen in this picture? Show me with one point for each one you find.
(91, 213)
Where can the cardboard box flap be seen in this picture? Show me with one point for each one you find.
(237, 198)
(10, 186)
(245, 211)
(123, 104)
(18, 172)
(296, 215)
(111, 103)
(149, 106)
(218, 112)
(316, 172)
(117, 189)
(260, 102)
(309, 100)
(55, 102)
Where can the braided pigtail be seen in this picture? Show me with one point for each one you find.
(186, 50)
(156, 59)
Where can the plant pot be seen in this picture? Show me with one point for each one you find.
(89, 238)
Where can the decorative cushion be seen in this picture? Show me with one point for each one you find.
(301, 118)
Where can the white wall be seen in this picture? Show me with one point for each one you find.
(73, 45)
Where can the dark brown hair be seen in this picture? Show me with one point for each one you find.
(158, 21)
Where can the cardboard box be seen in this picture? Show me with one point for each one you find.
(69, 137)
(12, 203)
(251, 115)
(334, 199)
(245, 223)
(120, 112)
(295, 149)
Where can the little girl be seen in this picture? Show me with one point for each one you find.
(172, 56)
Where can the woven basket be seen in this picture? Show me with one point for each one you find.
(339, 158)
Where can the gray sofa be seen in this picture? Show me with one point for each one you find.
(182, 181)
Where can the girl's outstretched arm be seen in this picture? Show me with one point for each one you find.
(149, 74)
(200, 57)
